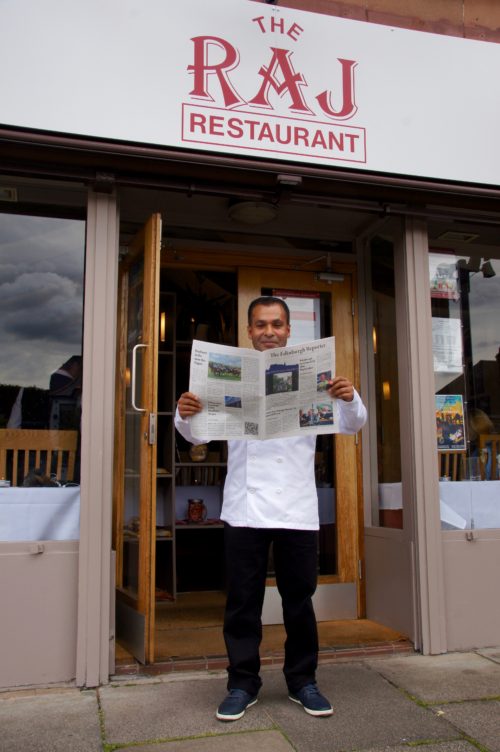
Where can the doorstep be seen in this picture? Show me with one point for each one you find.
(129, 666)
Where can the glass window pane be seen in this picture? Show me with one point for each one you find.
(465, 297)
(41, 319)
(385, 380)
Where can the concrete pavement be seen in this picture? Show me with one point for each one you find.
(447, 703)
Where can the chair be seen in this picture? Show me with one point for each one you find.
(489, 449)
(23, 450)
(451, 464)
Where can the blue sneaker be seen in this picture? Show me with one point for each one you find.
(312, 700)
(234, 705)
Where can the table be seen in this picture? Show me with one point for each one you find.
(463, 504)
(32, 514)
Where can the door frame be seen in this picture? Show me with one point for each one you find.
(334, 596)
(137, 614)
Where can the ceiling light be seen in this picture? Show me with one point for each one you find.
(253, 212)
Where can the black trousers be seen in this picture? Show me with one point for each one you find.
(295, 563)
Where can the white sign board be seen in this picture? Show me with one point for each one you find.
(239, 77)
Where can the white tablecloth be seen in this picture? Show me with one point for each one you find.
(32, 514)
(464, 504)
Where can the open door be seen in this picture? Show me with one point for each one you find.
(135, 442)
(329, 307)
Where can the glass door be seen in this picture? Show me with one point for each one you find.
(135, 442)
(320, 308)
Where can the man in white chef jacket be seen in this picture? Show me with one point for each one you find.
(270, 497)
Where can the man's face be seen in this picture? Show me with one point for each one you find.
(268, 328)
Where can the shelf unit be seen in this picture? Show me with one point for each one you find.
(187, 556)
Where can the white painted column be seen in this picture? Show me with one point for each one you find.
(94, 589)
(418, 433)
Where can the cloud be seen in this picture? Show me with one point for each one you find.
(41, 305)
(41, 296)
(41, 244)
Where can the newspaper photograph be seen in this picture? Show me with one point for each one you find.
(248, 394)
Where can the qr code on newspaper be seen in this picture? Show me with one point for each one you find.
(251, 429)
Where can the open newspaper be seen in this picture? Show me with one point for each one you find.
(248, 394)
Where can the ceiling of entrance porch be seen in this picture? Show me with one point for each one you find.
(302, 223)
(295, 228)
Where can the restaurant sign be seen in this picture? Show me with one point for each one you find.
(247, 78)
(317, 124)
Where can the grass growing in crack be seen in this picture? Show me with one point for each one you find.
(475, 743)
(424, 742)
(113, 746)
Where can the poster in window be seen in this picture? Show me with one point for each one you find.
(305, 314)
(450, 424)
(443, 276)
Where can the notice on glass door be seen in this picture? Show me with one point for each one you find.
(446, 345)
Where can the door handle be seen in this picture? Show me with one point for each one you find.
(132, 387)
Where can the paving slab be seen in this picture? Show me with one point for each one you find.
(478, 720)
(246, 741)
(442, 678)
(460, 745)
(54, 722)
(171, 710)
(368, 712)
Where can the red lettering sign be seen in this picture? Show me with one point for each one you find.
(278, 85)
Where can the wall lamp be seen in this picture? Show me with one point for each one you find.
(487, 269)
(474, 266)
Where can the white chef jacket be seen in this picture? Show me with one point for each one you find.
(270, 483)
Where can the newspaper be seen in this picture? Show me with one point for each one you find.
(248, 394)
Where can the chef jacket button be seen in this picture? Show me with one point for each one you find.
(251, 490)
(278, 490)
(279, 459)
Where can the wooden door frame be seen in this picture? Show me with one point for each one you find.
(148, 237)
(347, 452)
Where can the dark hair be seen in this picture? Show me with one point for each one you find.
(268, 300)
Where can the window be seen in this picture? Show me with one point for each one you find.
(465, 298)
(384, 404)
(41, 319)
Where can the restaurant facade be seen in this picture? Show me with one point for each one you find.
(160, 167)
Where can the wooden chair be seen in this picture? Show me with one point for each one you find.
(451, 464)
(489, 449)
(23, 450)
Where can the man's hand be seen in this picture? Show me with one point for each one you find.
(341, 388)
(188, 404)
